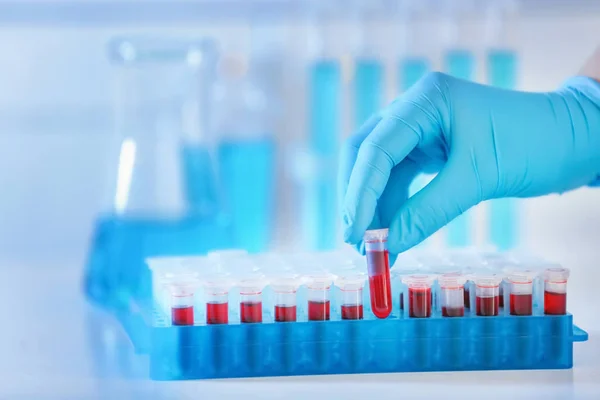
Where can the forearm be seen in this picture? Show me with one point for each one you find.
(591, 68)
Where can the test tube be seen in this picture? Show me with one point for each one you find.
(452, 294)
(251, 286)
(555, 291)
(285, 285)
(318, 295)
(217, 287)
(419, 295)
(351, 283)
(182, 303)
(487, 294)
(378, 265)
(520, 284)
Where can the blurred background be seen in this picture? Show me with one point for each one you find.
(132, 128)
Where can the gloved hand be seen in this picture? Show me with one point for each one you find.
(485, 143)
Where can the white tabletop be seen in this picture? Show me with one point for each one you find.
(55, 345)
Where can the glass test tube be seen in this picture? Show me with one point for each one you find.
(378, 266)
(555, 291)
(351, 283)
(318, 296)
(182, 303)
(487, 294)
(251, 287)
(217, 298)
(285, 286)
(419, 295)
(452, 294)
(520, 285)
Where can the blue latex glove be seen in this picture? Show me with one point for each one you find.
(485, 143)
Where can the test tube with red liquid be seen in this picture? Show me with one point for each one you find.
(182, 303)
(251, 285)
(555, 291)
(217, 286)
(378, 266)
(351, 283)
(520, 285)
(452, 294)
(419, 295)
(285, 285)
(318, 294)
(487, 294)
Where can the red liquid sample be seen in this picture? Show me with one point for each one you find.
(521, 304)
(318, 310)
(182, 315)
(250, 312)
(217, 313)
(555, 303)
(453, 312)
(419, 302)
(285, 313)
(487, 306)
(352, 311)
(467, 297)
(501, 302)
(379, 283)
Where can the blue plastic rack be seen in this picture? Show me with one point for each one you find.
(396, 344)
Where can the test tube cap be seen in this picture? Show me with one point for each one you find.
(353, 279)
(376, 235)
(251, 282)
(556, 274)
(419, 280)
(487, 279)
(515, 275)
(318, 279)
(285, 281)
(217, 281)
(452, 280)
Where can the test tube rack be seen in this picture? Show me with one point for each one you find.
(395, 344)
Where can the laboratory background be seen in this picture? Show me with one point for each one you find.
(143, 128)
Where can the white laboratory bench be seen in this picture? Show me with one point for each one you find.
(54, 345)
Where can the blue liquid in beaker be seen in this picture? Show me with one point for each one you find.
(200, 189)
(116, 272)
(411, 70)
(320, 208)
(247, 176)
(368, 89)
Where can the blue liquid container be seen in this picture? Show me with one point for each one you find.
(116, 274)
(162, 186)
(411, 70)
(461, 64)
(504, 213)
(200, 187)
(247, 175)
(368, 89)
(320, 198)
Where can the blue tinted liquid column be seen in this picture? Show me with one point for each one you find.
(247, 171)
(200, 189)
(368, 89)
(502, 72)
(461, 64)
(320, 202)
